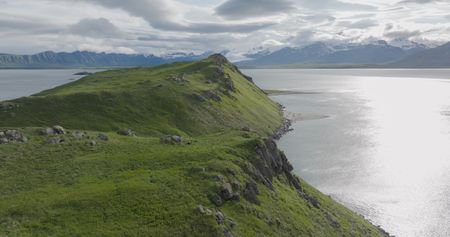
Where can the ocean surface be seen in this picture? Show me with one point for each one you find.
(383, 151)
(18, 83)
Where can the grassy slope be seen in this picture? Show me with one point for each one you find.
(135, 186)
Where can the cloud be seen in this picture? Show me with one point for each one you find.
(421, 1)
(403, 34)
(239, 9)
(359, 24)
(96, 28)
(164, 15)
(333, 5)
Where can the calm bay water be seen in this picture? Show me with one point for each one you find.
(18, 83)
(384, 151)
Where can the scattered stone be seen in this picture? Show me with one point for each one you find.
(5, 106)
(251, 193)
(3, 140)
(198, 97)
(204, 210)
(217, 200)
(332, 220)
(226, 191)
(129, 132)
(47, 131)
(171, 139)
(59, 130)
(178, 78)
(246, 129)
(220, 218)
(93, 143)
(312, 200)
(55, 140)
(211, 95)
(236, 185)
(229, 85)
(103, 137)
(236, 197)
(219, 178)
(78, 135)
(12, 136)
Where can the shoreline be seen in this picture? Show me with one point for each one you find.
(289, 119)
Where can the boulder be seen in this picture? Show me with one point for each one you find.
(4, 140)
(220, 218)
(171, 139)
(251, 192)
(226, 191)
(59, 130)
(204, 210)
(11, 136)
(103, 137)
(47, 131)
(92, 143)
(217, 200)
(236, 185)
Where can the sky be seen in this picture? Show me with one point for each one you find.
(238, 26)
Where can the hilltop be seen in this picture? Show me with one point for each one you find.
(185, 149)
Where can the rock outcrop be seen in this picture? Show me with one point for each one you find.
(12, 136)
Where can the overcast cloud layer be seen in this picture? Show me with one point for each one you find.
(164, 26)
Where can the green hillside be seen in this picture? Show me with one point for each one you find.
(177, 150)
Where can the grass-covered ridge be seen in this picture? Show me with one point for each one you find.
(184, 98)
(138, 186)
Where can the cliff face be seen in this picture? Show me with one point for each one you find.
(179, 150)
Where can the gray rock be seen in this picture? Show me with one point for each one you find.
(220, 218)
(103, 137)
(204, 210)
(171, 139)
(10, 136)
(59, 130)
(177, 139)
(217, 200)
(4, 140)
(55, 140)
(93, 143)
(236, 185)
(47, 131)
(251, 193)
(226, 191)
(219, 178)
